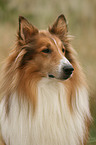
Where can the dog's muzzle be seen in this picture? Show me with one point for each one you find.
(65, 73)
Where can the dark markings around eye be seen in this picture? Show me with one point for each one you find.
(47, 50)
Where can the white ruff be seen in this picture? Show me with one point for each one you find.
(53, 123)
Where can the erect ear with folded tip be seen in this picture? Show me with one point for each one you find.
(26, 30)
(59, 27)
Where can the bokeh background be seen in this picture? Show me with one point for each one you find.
(81, 16)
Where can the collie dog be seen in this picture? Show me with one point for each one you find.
(44, 98)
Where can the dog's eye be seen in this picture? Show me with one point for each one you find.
(47, 50)
(63, 50)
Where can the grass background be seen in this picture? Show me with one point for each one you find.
(81, 16)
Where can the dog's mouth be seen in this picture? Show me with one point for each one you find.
(65, 77)
(61, 77)
(51, 76)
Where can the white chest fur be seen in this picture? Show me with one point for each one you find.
(53, 123)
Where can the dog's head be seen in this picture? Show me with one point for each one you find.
(45, 53)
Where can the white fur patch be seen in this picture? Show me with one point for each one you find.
(56, 46)
(64, 60)
(53, 123)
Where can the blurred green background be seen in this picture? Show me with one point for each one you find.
(81, 16)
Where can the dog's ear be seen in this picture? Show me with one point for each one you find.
(26, 30)
(59, 27)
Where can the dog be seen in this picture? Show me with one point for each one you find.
(44, 97)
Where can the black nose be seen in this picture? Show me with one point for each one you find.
(68, 69)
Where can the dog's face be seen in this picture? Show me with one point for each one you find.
(45, 52)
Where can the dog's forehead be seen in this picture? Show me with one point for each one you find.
(50, 37)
